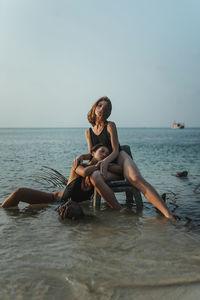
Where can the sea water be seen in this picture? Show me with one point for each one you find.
(109, 255)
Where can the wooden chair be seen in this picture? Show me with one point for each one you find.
(122, 186)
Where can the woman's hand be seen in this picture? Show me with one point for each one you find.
(103, 167)
(76, 162)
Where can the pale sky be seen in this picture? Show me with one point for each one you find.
(58, 56)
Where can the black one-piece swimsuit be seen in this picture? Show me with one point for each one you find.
(73, 190)
(103, 138)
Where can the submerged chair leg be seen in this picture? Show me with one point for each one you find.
(96, 199)
(129, 197)
(132, 195)
(138, 198)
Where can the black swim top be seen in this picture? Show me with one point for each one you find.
(73, 190)
(103, 138)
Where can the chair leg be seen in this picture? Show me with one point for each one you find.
(96, 199)
(138, 198)
(129, 197)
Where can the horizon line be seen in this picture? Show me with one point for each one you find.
(64, 127)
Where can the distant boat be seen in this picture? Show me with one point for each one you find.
(178, 125)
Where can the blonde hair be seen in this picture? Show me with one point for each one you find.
(91, 114)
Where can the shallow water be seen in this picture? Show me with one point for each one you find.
(109, 255)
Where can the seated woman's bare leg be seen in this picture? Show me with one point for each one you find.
(104, 190)
(112, 176)
(29, 196)
(132, 174)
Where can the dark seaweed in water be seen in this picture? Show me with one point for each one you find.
(182, 174)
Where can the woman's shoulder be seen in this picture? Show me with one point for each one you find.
(111, 125)
(87, 132)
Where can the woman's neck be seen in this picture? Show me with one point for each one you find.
(99, 123)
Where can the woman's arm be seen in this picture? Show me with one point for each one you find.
(88, 139)
(112, 131)
(85, 156)
(79, 159)
(86, 171)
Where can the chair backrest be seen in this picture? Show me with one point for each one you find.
(127, 149)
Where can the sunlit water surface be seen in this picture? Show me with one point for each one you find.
(107, 255)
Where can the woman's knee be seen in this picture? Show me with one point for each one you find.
(96, 178)
(121, 157)
(14, 198)
(124, 159)
(137, 179)
(141, 184)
